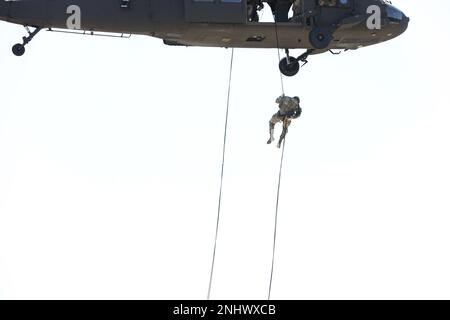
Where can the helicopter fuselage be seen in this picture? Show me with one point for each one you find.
(215, 23)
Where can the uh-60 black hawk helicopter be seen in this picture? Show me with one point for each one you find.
(315, 25)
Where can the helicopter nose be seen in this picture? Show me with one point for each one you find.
(404, 23)
(404, 19)
(397, 18)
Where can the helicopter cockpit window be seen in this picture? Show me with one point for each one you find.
(393, 13)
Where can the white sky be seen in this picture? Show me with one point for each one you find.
(110, 154)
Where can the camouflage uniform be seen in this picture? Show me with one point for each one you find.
(289, 109)
(329, 3)
(297, 8)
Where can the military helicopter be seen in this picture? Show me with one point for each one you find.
(316, 25)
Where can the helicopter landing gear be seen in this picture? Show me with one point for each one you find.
(19, 48)
(290, 66)
(320, 38)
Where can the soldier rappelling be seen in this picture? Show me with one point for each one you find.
(289, 110)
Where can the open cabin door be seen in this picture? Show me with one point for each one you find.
(216, 11)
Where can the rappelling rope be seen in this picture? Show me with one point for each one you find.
(279, 175)
(276, 220)
(221, 175)
(279, 56)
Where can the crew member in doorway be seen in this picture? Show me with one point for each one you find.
(289, 110)
(253, 6)
(297, 7)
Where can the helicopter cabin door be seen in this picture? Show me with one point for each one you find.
(216, 11)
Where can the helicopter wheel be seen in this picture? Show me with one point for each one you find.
(18, 50)
(320, 38)
(289, 69)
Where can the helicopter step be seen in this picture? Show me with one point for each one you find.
(19, 48)
(290, 66)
